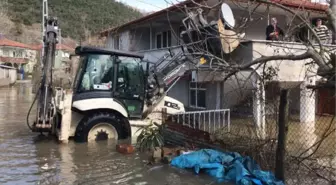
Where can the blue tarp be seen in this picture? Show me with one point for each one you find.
(226, 167)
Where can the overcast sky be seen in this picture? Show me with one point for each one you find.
(150, 5)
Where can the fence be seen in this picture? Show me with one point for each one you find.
(208, 120)
(308, 133)
(7, 75)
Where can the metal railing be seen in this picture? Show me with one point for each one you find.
(208, 120)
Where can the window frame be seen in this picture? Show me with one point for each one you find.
(156, 40)
(116, 42)
(141, 73)
(5, 52)
(167, 40)
(196, 89)
(82, 68)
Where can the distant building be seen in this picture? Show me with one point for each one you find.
(62, 54)
(16, 54)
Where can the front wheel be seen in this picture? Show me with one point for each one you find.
(102, 126)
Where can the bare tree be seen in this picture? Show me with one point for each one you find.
(315, 54)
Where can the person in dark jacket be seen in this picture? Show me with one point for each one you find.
(273, 31)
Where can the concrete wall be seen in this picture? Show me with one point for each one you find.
(180, 91)
(288, 70)
(124, 40)
(236, 89)
(139, 39)
(7, 76)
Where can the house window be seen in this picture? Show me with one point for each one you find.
(164, 39)
(19, 54)
(159, 40)
(197, 95)
(5, 52)
(169, 38)
(117, 42)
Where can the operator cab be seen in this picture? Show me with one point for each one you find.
(105, 73)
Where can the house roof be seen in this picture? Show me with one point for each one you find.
(58, 47)
(13, 60)
(306, 4)
(6, 42)
(150, 16)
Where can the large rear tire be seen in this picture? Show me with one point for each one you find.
(102, 126)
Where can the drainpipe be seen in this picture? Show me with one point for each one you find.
(259, 114)
(150, 36)
(268, 15)
(308, 29)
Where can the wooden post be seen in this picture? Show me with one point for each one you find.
(221, 99)
(282, 133)
(164, 115)
(63, 136)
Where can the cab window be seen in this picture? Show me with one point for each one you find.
(130, 79)
(98, 73)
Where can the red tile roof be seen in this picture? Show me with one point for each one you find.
(11, 43)
(13, 60)
(306, 4)
(58, 47)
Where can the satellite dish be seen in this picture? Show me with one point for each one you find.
(227, 15)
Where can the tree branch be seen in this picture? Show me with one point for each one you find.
(331, 14)
(266, 59)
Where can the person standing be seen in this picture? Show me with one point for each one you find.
(322, 32)
(273, 31)
(22, 72)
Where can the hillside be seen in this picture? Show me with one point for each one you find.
(77, 18)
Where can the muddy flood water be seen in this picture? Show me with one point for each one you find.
(27, 158)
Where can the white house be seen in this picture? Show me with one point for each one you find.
(17, 54)
(154, 34)
(62, 54)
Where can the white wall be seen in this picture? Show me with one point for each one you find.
(289, 71)
(124, 40)
(139, 39)
(7, 76)
(10, 51)
(180, 91)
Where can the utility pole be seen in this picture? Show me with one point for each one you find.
(44, 18)
(282, 136)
